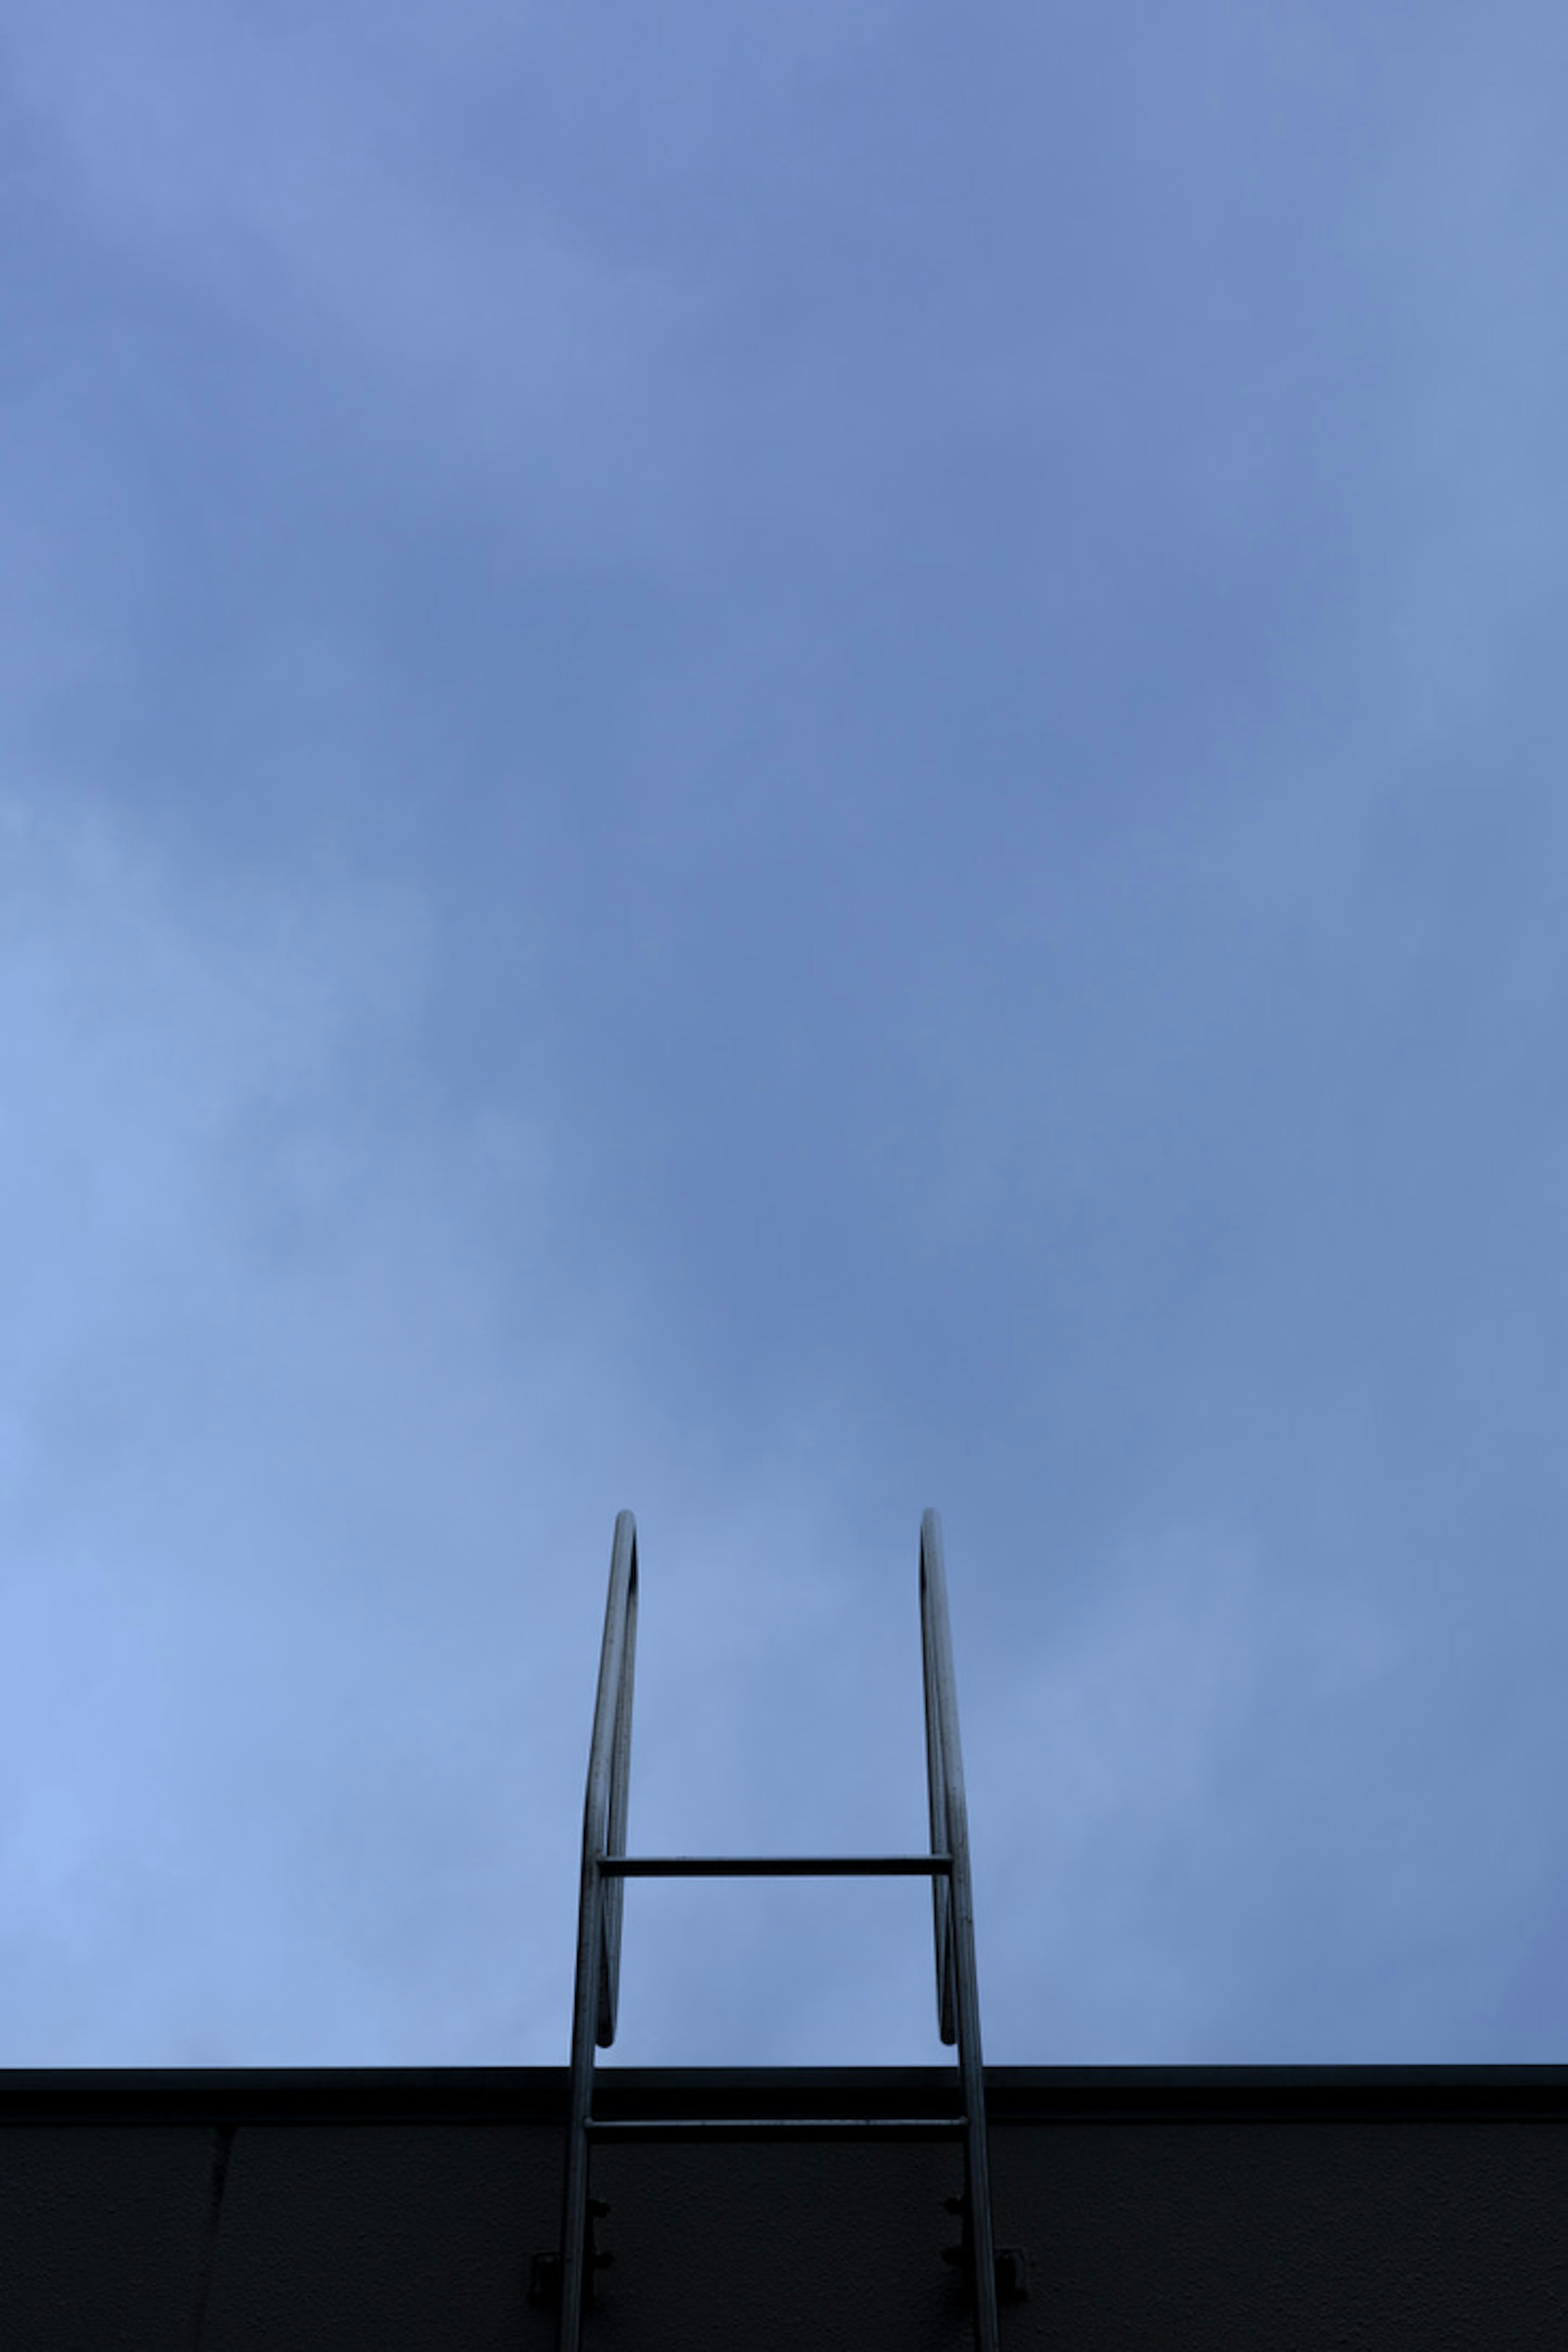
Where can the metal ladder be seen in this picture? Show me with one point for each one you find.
(607, 1867)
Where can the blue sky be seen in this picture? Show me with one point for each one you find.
(772, 765)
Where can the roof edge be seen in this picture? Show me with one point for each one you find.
(1014, 2094)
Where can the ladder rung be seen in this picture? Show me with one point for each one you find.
(776, 2127)
(776, 1866)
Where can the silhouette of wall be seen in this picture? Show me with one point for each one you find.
(399, 2211)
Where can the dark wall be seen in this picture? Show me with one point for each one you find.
(399, 2212)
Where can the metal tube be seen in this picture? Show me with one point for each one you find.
(941, 1837)
(771, 2127)
(615, 1839)
(940, 1688)
(593, 1998)
(776, 1866)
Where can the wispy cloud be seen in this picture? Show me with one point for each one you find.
(777, 771)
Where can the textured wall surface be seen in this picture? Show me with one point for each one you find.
(399, 2212)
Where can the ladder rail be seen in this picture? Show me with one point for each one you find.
(622, 1664)
(938, 1789)
(958, 1991)
(607, 1867)
(599, 1907)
